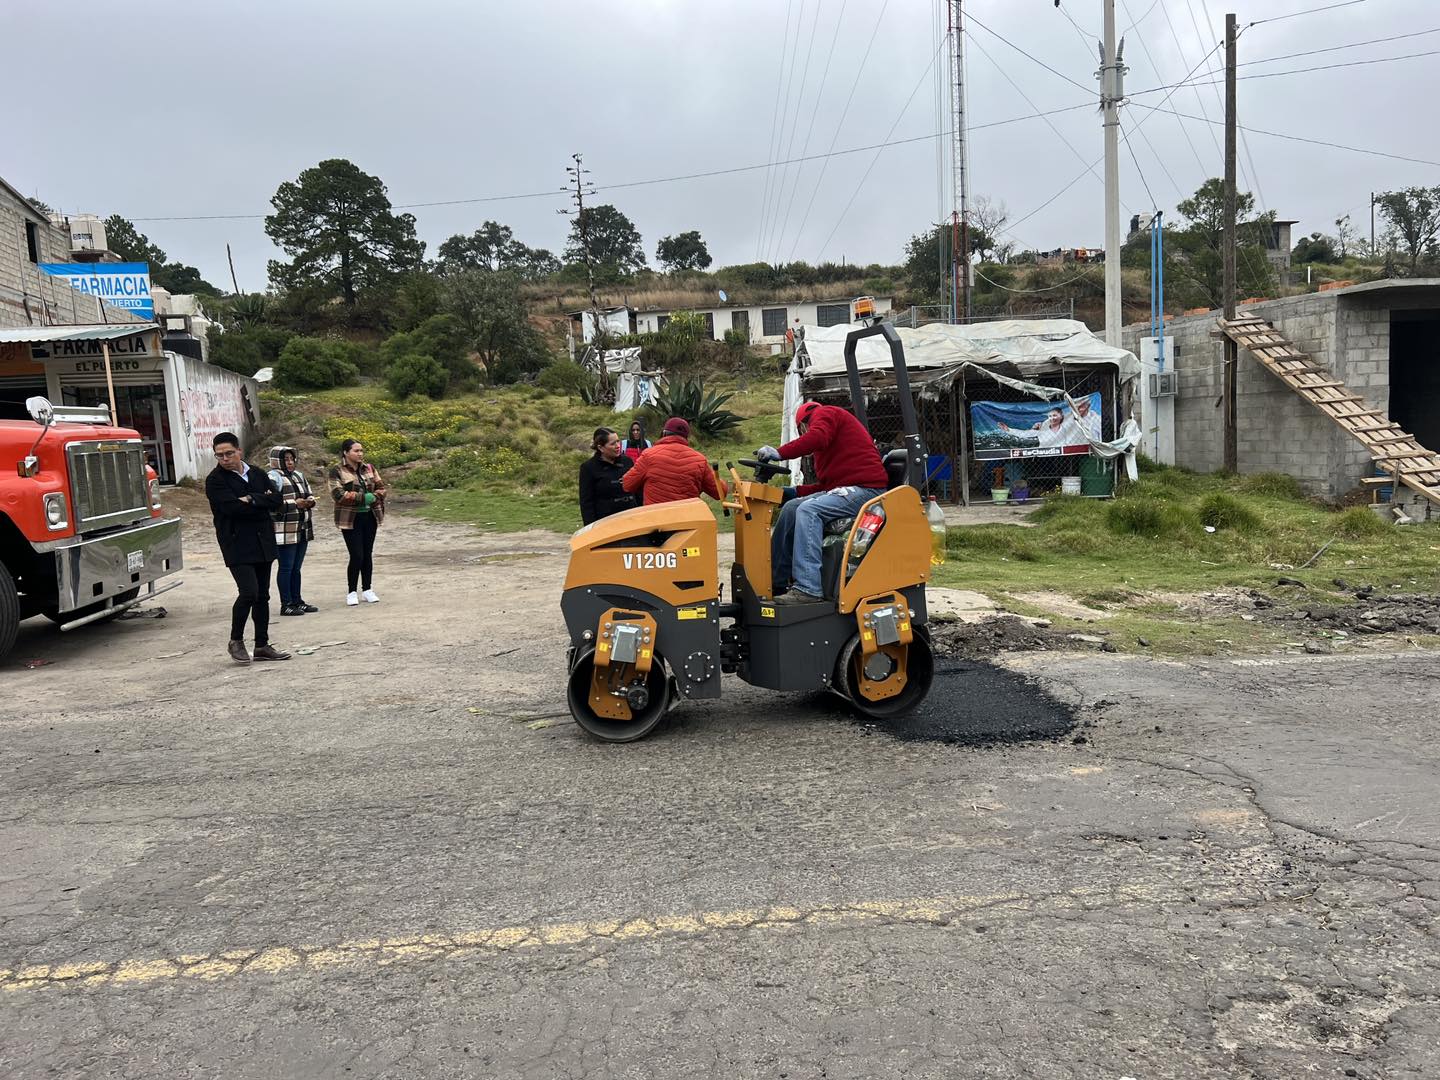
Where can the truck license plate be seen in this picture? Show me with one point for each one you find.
(135, 560)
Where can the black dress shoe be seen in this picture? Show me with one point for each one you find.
(269, 652)
(238, 653)
(303, 606)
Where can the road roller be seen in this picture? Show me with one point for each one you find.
(649, 624)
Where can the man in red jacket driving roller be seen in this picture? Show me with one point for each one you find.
(849, 474)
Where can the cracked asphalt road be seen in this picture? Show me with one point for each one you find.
(390, 858)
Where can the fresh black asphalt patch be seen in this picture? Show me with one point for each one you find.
(973, 703)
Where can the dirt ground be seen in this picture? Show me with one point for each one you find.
(394, 856)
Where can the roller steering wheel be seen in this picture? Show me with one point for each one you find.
(764, 470)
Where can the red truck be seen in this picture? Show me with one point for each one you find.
(82, 532)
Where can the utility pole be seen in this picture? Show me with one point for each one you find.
(582, 188)
(1112, 90)
(1372, 224)
(1228, 241)
(961, 306)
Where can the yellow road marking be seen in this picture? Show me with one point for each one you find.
(384, 952)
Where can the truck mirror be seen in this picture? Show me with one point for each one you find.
(40, 410)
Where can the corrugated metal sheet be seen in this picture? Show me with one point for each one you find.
(27, 334)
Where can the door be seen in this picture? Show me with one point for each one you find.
(740, 320)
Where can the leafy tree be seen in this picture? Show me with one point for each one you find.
(308, 363)
(684, 251)
(491, 315)
(336, 223)
(1315, 248)
(1193, 254)
(1344, 235)
(442, 338)
(493, 247)
(417, 374)
(925, 255)
(245, 348)
(612, 237)
(134, 246)
(1414, 218)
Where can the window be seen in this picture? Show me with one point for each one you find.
(773, 321)
(832, 314)
(740, 322)
(32, 241)
(661, 321)
(710, 325)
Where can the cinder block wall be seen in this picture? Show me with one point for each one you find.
(49, 301)
(1276, 430)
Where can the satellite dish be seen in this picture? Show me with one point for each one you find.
(723, 298)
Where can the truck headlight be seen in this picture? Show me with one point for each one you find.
(154, 494)
(56, 513)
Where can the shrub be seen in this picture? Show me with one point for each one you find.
(1135, 515)
(465, 466)
(1222, 511)
(689, 401)
(383, 446)
(245, 350)
(440, 337)
(308, 363)
(416, 374)
(1359, 522)
(1274, 485)
(566, 378)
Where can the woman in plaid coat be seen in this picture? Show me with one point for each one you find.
(294, 527)
(359, 495)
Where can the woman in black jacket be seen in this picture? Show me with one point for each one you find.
(600, 492)
(242, 500)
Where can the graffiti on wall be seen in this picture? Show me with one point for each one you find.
(216, 400)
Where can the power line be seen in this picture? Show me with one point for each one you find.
(1047, 288)
(557, 193)
(774, 120)
(1339, 48)
(1291, 71)
(903, 110)
(1298, 138)
(790, 146)
(839, 127)
(1136, 22)
(814, 112)
(1028, 56)
(1308, 11)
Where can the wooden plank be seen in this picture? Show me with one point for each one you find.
(1393, 438)
(1320, 385)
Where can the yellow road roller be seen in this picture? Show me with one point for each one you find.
(648, 622)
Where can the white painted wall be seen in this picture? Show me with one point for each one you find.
(797, 313)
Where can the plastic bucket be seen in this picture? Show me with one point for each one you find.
(1000, 495)
(1070, 485)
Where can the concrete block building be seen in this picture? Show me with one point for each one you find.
(1381, 339)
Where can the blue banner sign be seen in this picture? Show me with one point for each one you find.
(121, 285)
(1022, 429)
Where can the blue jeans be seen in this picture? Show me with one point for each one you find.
(795, 538)
(288, 579)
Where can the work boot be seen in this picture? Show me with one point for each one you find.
(799, 596)
(269, 652)
(238, 653)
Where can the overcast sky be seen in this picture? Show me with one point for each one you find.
(203, 109)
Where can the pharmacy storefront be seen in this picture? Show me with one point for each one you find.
(177, 403)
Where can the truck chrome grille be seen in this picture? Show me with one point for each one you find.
(108, 483)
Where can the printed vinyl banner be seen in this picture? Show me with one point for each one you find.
(1021, 429)
(121, 285)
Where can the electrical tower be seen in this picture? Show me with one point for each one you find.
(960, 306)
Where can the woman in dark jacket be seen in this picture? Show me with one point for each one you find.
(600, 492)
(636, 444)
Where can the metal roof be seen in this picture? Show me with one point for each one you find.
(99, 332)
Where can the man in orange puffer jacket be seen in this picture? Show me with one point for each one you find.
(672, 470)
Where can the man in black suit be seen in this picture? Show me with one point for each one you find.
(242, 499)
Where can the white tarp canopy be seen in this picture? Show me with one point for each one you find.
(636, 389)
(1029, 347)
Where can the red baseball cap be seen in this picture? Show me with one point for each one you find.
(677, 425)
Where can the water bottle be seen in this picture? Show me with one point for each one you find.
(936, 517)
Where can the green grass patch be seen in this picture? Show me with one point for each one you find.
(1152, 539)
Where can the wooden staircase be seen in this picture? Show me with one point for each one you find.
(1395, 450)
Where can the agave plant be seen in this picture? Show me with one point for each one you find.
(688, 399)
(249, 309)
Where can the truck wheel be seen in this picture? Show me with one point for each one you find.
(9, 612)
(58, 617)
